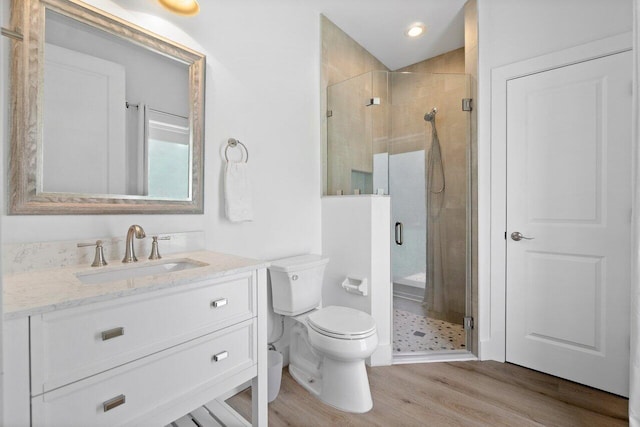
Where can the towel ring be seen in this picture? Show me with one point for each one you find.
(232, 142)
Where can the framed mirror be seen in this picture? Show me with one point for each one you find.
(107, 117)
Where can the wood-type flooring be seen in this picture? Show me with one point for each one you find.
(452, 394)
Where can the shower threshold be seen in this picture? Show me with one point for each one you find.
(402, 358)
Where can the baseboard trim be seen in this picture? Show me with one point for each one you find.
(383, 356)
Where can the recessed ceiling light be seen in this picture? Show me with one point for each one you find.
(415, 30)
(181, 7)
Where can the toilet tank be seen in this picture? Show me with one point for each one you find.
(296, 283)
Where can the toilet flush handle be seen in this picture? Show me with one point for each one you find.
(294, 277)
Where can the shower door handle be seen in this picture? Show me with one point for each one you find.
(398, 233)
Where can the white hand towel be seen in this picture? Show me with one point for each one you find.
(237, 192)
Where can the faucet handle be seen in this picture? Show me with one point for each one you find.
(155, 254)
(98, 260)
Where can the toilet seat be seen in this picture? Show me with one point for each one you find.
(342, 323)
(328, 346)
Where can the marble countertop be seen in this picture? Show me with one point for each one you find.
(42, 291)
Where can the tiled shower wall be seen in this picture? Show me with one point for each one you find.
(342, 59)
(355, 130)
(415, 94)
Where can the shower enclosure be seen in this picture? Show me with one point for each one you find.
(407, 135)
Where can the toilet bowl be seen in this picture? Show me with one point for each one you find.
(328, 345)
(329, 362)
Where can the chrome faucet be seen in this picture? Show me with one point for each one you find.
(130, 253)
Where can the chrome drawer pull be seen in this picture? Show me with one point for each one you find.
(219, 303)
(220, 356)
(112, 333)
(113, 403)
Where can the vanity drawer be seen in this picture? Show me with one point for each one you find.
(68, 345)
(149, 385)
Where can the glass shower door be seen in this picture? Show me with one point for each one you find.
(408, 207)
(429, 190)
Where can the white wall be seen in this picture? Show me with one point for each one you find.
(262, 87)
(511, 31)
(356, 238)
(4, 133)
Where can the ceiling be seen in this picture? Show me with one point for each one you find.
(379, 26)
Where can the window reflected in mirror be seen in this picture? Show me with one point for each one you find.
(167, 155)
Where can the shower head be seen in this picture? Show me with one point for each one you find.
(431, 115)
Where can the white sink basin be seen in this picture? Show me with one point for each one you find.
(136, 270)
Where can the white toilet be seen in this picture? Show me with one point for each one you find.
(328, 345)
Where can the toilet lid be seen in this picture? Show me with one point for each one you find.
(298, 263)
(342, 321)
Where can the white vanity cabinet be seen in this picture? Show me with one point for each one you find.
(144, 359)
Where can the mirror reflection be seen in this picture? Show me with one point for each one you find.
(115, 116)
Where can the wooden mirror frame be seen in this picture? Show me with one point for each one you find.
(27, 78)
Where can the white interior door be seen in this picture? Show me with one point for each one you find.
(569, 189)
(84, 137)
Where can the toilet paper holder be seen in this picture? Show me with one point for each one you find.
(356, 285)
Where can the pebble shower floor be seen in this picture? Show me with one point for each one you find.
(415, 333)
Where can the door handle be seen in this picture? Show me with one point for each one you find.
(399, 233)
(517, 236)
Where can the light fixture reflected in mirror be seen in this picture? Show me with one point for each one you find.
(181, 7)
